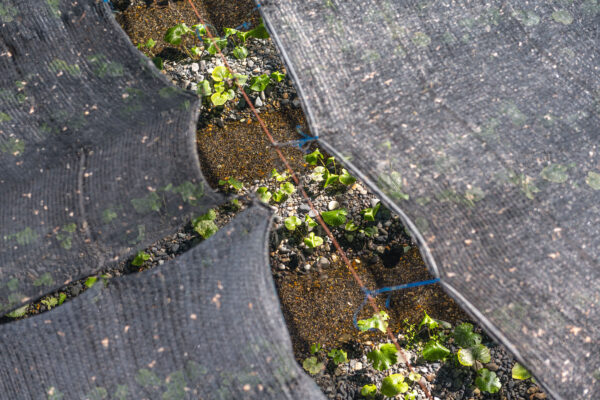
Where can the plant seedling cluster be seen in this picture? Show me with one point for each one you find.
(382, 358)
(223, 85)
(205, 225)
(316, 363)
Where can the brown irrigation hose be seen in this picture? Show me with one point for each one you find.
(312, 207)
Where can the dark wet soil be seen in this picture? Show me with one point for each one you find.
(319, 306)
(241, 149)
(142, 22)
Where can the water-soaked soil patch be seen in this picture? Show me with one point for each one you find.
(241, 149)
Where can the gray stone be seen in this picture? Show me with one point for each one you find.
(258, 102)
(324, 262)
(195, 67)
(333, 204)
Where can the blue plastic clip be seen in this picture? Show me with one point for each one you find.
(374, 293)
(303, 144)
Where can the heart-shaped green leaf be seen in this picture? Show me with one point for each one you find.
(218, 99)
(481, 353)
(312, 365)
(350, 226)
(369, 214)
(139, 259)
(277, 76)
(278, 196)
(368, 391)
(487, 381)
(335, 217)
(519, 372)
(434, 351)
(287, 188)
(221, 73)
(313, 241)
(292, 222)
(240, 52)
(211, 45)
(383, 357)
(310, 223)
(346, 178)
(317, 174)
(313, 157)
(377, 321)
(429, 322)
(175, 33)
(393, 385)
(465, 337)
(259, 83)
(338, 356)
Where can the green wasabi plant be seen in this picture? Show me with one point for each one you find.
(205, 225)
(327, 172)
(471, 353)
(292, 222)
(140, 258)
(313, 241)
(232, 183)
(378, 321)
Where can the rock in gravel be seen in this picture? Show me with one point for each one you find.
(258, 102)
(333, 205)
(195, 67)
(492, 366)
(324, 262)
(307, 267)
(304, 208)
(355, 365)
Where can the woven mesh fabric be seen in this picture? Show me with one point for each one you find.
(479, 123)
(205, 325)
(97, 150)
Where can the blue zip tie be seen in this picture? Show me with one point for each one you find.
(374, 293)
(306, 139)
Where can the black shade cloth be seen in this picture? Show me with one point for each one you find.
(97, 149)
(205, 325)
(479, 123)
